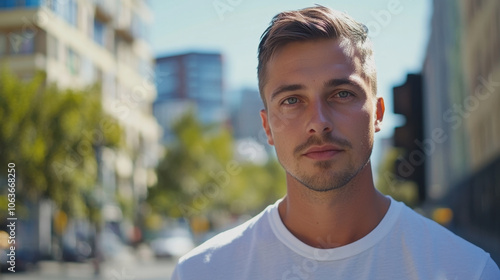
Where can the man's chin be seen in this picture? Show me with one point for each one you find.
(318, 184)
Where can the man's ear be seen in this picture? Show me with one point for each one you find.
(380, 110)
(267, 128)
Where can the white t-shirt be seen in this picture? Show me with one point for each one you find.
(404, 245)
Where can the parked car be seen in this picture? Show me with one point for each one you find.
(78, 252)
(172, 243)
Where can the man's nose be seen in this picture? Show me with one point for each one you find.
(320, 121)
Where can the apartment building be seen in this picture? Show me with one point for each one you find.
(83, 42)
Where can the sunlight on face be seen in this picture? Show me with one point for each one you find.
(321, 114)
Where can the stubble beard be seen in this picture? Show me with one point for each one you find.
(328, 179)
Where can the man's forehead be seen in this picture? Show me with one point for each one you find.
(301, 57)
(346, 45)
(302, 54)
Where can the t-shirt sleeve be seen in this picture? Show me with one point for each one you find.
(490, 271)
(176, 275)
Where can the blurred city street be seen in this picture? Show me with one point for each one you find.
(129, 266)
(130, 129)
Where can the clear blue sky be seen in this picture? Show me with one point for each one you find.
(399, 30)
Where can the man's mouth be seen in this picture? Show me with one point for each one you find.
(322, 152)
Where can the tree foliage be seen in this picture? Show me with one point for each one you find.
(199, 177)
(52, 136)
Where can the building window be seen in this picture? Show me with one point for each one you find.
(33, 3)
(56, 6)
(166, 79)
(9, 4)
(99, 32)
(50, 4)
(72, 12)
(87, 70)
(67, 9)
(22, 42)
(73, 62)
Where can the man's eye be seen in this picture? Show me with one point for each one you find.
(343, 94)
(291, 100)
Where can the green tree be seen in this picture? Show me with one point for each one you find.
(258, 186)
(52, 136)
(184, 172)
(199, 177)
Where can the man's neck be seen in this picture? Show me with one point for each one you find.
(334, 218)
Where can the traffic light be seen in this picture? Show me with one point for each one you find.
(408, 101)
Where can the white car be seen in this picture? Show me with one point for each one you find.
(173, 243)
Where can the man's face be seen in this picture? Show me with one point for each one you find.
(321, 115)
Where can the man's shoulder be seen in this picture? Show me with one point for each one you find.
(425, 228)
(429, 247)
(222, 240)
(436, 241)
(228, 243)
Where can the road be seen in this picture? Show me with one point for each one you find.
(130, 268)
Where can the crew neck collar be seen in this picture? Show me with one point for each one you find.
(346, 251)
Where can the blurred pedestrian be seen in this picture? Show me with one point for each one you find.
(317, 80)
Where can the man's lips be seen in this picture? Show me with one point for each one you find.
(322, 152)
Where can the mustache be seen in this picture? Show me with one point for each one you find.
(326, 138)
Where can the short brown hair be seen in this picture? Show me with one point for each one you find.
(311, 24)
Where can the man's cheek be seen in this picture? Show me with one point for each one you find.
(283, 122)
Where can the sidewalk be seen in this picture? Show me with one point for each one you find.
(54, 270)
(130, 265)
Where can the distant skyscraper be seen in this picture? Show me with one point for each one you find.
(246, 118)
(191, 80)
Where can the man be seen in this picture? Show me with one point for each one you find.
(317, 80)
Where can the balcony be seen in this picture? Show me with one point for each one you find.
(123, 26)
(104, 10)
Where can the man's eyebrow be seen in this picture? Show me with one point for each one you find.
(342, 81)
(285, 88)
(329, 83)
